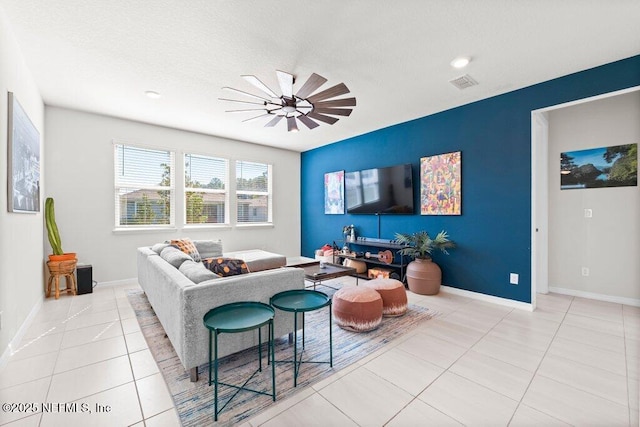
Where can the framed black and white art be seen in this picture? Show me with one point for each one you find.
(23, 160)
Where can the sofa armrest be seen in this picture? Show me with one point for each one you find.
(201, 298)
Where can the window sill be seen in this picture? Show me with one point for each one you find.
(246, 226)
(144, 230)
(207, 227)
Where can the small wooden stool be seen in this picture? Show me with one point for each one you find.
(64, 269)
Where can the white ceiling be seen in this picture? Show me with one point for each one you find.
(101, 56)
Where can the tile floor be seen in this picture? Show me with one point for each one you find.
(572, 362)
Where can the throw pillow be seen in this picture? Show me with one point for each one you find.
(186, 246)
(224, 267)
(209, 248)
(158, 247)
(196, 272)
(174, 256)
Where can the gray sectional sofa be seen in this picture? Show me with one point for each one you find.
(180, 293)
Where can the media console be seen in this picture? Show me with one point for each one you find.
(368, 245)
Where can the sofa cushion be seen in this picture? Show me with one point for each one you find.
(174, 256)
(224, 267)
(158, 247)
(209, 248)
(259, 260)
(196, 271)
(188, 247)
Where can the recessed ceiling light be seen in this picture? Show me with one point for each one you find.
(460, 62)
(152, 94)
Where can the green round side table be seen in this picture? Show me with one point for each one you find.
(300, 301)
(234, 318)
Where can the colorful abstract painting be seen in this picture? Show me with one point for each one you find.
(440, 184)
(615, 166)
(334, 193)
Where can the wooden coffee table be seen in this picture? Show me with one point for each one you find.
(314, 274)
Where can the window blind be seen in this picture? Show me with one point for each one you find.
(144, 186)
(253, 192)
(206, 182)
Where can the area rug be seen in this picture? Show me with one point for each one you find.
(194, 401)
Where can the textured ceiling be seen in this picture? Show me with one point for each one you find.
(101, 56)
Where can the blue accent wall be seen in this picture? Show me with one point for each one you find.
(493, 234)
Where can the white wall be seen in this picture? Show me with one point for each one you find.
(609, 242)
(80, 178)
(21, 257)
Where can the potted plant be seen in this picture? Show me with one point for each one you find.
(54, 235)
(423, 275)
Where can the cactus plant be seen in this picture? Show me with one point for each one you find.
(52, 228)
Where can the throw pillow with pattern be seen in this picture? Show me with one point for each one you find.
(224, 267)
(186, 246)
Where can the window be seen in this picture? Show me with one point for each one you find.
(253, 191)
(205, 189)
(144, 186)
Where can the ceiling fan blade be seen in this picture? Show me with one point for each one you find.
(332, 92)
(312, 83)
(291, 124)
(273, 122)
(322, 117)
(346, 102)
(256, 117)
(308, 122)
(246, 93)
(242, 102)
(334, 111)
(245, 110)
(257, 83)
(286, 83)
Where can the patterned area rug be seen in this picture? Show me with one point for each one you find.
(194, 401)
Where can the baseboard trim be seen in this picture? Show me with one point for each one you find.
(592, 295)
(6, 354)
(117, 282)
(488, 298)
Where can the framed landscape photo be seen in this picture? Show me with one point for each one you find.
(440, 184)
(23, 160)
(334, 193)
(614, 166)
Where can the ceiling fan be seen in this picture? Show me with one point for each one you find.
(304, 105)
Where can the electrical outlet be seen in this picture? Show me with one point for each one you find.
(585, 271)
(588, 213)
(513, 278)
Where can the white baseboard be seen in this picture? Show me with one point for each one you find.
(118, 282)
(6, 354)
(488, 298)
(591, 295)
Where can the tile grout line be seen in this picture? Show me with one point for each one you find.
(416, 397)
(133, 375)
(520, 402)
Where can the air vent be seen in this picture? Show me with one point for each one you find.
(463, 82)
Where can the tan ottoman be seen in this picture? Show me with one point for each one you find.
(394, 296)
(357, 309)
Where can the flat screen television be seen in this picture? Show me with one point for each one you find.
(387, 190)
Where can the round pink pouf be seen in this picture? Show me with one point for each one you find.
(357, 309)
(394, 296)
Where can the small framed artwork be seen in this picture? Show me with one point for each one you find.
(23, 160)
(614, 166)
(334, 193)
(440, 184)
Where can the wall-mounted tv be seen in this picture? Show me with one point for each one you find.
(387, 190)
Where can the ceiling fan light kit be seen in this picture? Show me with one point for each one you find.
(304, 106)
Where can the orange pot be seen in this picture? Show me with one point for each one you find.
(64, 257)
(424, 277)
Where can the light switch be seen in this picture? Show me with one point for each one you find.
(588, 213)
